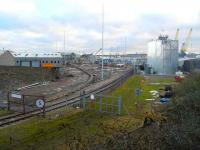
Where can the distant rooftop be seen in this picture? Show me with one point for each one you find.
(122, 54)
(28, 55)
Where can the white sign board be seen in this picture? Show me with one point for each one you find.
(92, 97)
(16, 96)
(40, 103)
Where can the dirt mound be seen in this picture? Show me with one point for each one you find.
(14, 77)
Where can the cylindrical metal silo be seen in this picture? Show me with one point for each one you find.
(162, 55)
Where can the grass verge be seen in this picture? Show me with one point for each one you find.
(4, 112)
(78, 129)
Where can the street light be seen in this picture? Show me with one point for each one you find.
(102, 44)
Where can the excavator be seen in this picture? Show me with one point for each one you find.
(152, 118)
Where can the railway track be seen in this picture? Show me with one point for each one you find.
(79, 87)
(62, 102)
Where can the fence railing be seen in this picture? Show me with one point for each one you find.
(102, 104)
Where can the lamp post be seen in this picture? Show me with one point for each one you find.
(102, 42)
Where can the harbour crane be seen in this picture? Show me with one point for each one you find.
(185, 44)
(95, 53)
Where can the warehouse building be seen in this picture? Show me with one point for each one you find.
(88, 58)
(9, 58)
(70, 58)
(189, 64)
(137, 58)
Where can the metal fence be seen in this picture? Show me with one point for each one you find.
(24, 103)
(102, 104)
(3, 99)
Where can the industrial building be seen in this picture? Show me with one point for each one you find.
(189, 64)
(70, 58)
(162, 57)
(9, 58)
(88, 58)
(138, 58)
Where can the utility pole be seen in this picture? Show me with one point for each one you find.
(102, 42)
(64, 42)
(124, 49)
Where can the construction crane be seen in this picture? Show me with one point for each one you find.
(95, 53)
(185, 44)
(177, 34)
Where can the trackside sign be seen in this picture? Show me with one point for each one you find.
(16, 96)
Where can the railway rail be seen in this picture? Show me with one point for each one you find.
(87, 83)
(7, 120)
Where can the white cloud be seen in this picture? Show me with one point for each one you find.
(185, 11)
(17, 7)
(133, 19)
(29, 34)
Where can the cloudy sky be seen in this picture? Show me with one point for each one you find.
(39, 25)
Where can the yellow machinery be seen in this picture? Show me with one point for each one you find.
(54, 70)
(49, 66)
(185, 44)
(150, 118)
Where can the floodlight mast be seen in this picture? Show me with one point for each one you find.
(102, 43)
(64, 42)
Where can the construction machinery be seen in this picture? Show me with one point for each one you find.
(151, 118)
(185, 44)
(95, 53)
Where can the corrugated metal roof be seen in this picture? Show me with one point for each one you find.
(39, 55)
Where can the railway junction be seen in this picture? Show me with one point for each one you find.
(58, 94)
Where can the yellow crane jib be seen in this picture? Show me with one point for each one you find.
(185, 44)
